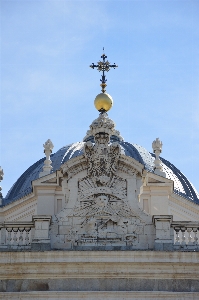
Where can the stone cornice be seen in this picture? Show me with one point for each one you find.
(181, 201)
(98, 295)
(100, 256)
(131, 162)
(186, 214)
(17, 204)
(21, 214)
(99, 264)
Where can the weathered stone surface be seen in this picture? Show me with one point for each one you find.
(100, 284)
(102, 210)
(51, 272)
(110, 295)
(40, 246)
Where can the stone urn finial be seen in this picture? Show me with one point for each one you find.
(157, 145)
(1, 178)
(157, 149)
(48, 147)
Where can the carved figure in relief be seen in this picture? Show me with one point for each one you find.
(101, 205)
(102, 201)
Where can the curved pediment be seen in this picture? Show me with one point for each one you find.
(126, 164)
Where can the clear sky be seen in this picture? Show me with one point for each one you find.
(47, 88)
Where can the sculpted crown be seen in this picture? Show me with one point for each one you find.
(103, 124)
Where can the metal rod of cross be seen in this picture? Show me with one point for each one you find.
(103, 66)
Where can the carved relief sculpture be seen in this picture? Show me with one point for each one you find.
(101, 216)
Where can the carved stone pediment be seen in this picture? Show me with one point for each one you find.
(129, 165)
(100, 214)
(74, 166)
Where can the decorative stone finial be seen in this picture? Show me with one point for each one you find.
(1, 178)
(157, 149)
(48, 147)
(103, 124)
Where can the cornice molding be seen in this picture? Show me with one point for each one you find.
(184, 203)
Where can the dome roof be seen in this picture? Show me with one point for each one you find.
(23, 187)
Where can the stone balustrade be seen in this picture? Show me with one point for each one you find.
(16, 235)
(186, 235)
(26, 235)
(175, 235)
(35, 235)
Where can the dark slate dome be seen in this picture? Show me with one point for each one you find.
(23, 187)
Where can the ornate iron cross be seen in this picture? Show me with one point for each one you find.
(103, 66)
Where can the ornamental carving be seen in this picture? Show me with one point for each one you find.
(101, 215)
(102, 158)
(102, 211)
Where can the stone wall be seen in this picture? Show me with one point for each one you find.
(105, 274)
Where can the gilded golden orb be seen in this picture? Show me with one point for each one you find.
(103, 102)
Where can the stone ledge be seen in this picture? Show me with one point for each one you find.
(100, 295)
(100, 284)
(99, 256)
(14, 266)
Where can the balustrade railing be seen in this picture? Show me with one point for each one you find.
(16, 235)
(170, 235)
(186, 235)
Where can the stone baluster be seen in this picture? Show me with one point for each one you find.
(195, 239)
(177, 239)
(15, 239)
(183, 229)
(21, 230)
(189, 230)
(27, 238)
(9, 238)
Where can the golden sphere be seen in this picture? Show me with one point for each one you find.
(103, 101)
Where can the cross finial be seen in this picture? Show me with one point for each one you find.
(103, 66)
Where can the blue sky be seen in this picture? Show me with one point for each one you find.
(47, 88)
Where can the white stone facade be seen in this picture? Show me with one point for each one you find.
(100, 200)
